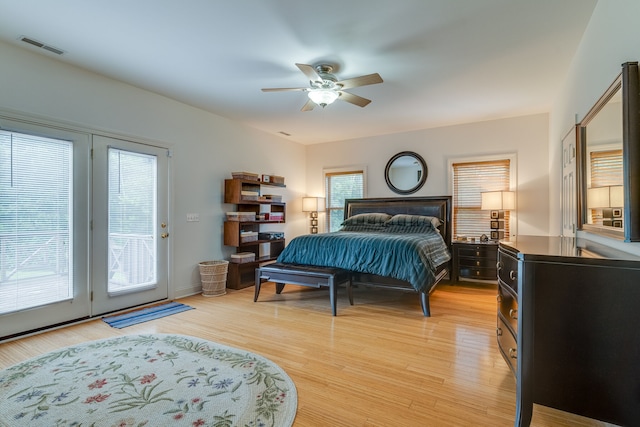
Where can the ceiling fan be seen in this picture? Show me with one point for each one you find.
(324, 87)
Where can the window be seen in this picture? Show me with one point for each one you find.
(132, 220)
(35, 221)
(471, 178)
(605, 168)
(338, 187)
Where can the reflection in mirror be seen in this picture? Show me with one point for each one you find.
(604, 174)
(406, 172)
(609, 161)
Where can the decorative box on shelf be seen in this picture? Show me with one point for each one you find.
(241, 216)
(248, 236)
(273, 198)
(242, 257)
(273, 179)
(246, 176)
(249, 195)
(271, 235)
(276, 216)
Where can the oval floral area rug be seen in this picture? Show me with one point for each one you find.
(147, 380)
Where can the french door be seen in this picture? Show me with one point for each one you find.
(130, 224)
(79, 236)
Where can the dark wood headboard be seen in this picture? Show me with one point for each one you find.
(438, 206)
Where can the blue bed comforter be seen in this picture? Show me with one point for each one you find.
(413, 258)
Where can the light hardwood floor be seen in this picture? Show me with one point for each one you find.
(378, 363)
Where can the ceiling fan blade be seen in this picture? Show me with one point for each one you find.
(369, 79)
(354, 99)
(308, 106)
(284, 89)
(310, 72)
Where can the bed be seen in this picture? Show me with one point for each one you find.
(376, 248)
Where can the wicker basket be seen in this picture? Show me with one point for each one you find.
(213, 275)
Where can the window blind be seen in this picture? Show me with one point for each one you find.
(132, 225)
(606, 169)
(469, 180)
(340, 186)
(35, 221)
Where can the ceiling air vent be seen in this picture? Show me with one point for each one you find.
(41, 45)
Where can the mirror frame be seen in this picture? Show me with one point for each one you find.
(628, 82)
(423, 178)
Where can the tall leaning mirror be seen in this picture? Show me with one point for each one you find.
(609, 166)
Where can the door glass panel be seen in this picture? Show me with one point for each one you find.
(132, 221)
(35, 221)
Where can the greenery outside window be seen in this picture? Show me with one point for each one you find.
(341, 185)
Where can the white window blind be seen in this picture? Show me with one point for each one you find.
(340, 186)
(606, 169)
(132, 221)
(35, 221)
(469, 180)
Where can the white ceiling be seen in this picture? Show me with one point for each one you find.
(443, 62)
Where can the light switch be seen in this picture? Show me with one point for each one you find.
(193, 217)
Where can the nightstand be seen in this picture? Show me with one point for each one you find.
(475, 260)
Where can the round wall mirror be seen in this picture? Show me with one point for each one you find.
(406, 172)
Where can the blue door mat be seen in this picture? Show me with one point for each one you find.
(145, 314)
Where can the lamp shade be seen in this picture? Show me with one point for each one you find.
(605, 197)
(498, 200)
(616, 196)
(313, 204)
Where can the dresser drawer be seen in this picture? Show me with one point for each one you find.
(507, 345)
(479, 262)
(508, 308)
(477, 273)
(508, 271)
(478, 251)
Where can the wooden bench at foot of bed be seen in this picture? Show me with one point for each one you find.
(331, 277)
(304, 275)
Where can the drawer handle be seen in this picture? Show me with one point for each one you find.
(513, 314)
(477, 263)
(513, 353)
(499, 298)
(513, 275)
(499, 332)
(499, 265)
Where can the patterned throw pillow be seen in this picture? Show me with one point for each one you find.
(365, 228)
(367, 218)
(413, 220)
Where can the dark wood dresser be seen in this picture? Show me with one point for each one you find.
(569, 327)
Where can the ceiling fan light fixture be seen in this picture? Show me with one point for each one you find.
(323, 97)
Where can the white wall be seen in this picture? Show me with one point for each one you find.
(206, 148)
(527, 137)
(611, 38)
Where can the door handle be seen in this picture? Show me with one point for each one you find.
(164, 235)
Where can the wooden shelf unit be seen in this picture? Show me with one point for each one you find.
(243, 275)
